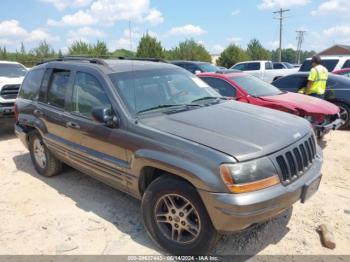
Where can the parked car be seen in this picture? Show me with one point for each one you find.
(337, 92)
(332, 63)
(282, 65)
(195, 67)
(11, 77)
(343, 72)
(263, 70)
(243, 87)
(201, 164)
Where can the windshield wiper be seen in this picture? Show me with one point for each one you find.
(209, 97)
(164, 106)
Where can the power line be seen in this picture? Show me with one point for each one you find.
(281, 17)
(300, 38)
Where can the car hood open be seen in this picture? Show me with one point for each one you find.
(309, 104)
(240, 130)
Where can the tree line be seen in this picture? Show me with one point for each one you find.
(150, 47)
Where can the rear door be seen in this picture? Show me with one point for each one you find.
(291, 83)
(98, 149)
(254, 68)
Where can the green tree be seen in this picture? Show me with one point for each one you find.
(149, 47)
(256, 51)
(189, 50)
(99, 50)
(232, 55)
(43, 51)
(79, 48)
(23, 50)
(123, 53)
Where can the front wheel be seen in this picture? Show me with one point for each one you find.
(176, 218)
(344, 114)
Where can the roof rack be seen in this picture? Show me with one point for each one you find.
(76, 58)
(142, 59)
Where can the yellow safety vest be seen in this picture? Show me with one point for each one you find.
(319, 76)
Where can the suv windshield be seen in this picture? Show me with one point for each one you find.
(208, 68)
(12, 70)
(330, 64)
(160, 89)
(255, 86)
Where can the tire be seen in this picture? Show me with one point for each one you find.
(50, 165)
(345, 114)
(179, 191)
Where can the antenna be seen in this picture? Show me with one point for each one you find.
(281, 17)
(130, 35)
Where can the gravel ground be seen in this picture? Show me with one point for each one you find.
(75, 214)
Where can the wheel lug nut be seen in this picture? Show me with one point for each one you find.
(181, 214)
(176, 225)
(170, 218)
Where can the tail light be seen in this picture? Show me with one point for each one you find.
(16, 112)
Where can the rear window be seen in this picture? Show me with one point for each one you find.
(346, 64)
(253, 66)
(330, 64)
(31, 84)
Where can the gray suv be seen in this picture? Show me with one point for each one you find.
(200, 164)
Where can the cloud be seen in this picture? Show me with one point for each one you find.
(11, 33)
(124, 40)
(235, 40)
(269, 4)
(218, 48)
(332, 7)
(63, 4)
(186, 30)
(83, 34)
(236, 12)
(339, 30)
(79, 18)
(107, 12)
(273, 44)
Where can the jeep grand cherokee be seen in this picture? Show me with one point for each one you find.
(201, 164)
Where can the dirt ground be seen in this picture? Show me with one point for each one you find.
(75, 214)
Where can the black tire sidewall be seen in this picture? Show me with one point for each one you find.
(347, 108)
(165, 185)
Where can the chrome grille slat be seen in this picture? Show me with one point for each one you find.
(9, 91)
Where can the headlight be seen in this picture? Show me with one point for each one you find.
(249, 176)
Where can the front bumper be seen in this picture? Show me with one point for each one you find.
(6, 111)
(235, 212)
(324, 129)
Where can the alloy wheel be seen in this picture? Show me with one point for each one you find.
(39, 153)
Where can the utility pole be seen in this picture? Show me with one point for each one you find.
(281, 17)
(300, 38)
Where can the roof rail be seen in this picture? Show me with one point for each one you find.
(142, 59)
(76, 58)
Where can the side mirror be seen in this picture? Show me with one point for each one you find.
(105, 115)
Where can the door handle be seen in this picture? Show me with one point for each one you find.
(37, 112)
(72, 125)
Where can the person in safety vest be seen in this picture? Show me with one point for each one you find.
(317, 80)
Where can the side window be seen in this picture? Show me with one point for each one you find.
(269, 66)
(346, 64)
(277, 66)
(192, 68)
(87, 94)
(221, 86)
(57, 88)
(253, 66)
(241, 67)
(31, 85)
(291, 83)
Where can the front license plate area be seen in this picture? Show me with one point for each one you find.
(310, 189)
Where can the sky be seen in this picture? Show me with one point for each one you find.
(215, 24)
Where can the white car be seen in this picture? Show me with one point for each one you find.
(11, 78)
(263, 70)
(332, 63)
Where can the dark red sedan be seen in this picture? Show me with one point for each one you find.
(343, 72)
(324, 116)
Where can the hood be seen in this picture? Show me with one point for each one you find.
(11, 80)
(237, 129)
(309, 104)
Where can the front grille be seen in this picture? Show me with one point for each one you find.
(9, 91)
(296, 160)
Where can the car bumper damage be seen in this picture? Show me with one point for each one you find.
(325, 128)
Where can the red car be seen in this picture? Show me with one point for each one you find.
(324, 116)
(343, 72)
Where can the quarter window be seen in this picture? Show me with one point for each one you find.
(31, 85)
(58, 86)
(87, 94)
